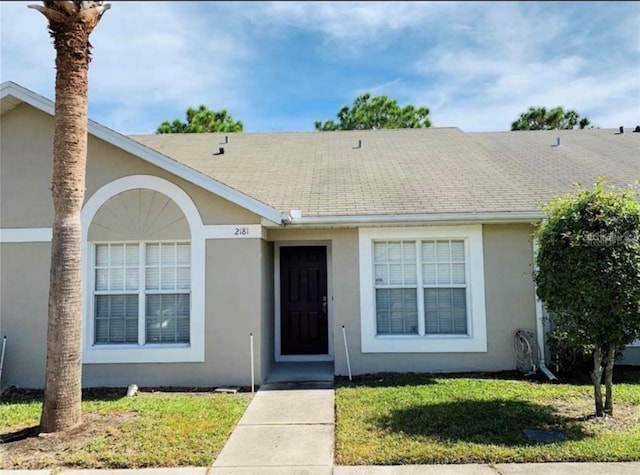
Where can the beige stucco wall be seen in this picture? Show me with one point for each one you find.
(267, 330)
(26, 166)
(233, 311)
(26, 138)
(508, 291)
(24, 291)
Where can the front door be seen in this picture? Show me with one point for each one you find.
(304, 328)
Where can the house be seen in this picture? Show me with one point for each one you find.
(416, 242)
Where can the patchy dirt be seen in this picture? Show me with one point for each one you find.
(23, 448)
(625, 416)
(26, 449)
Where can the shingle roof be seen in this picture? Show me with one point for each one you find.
(414, 171)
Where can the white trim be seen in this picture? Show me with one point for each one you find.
(540, 333)
(540, 313)
(9, 88)
(232, 231)
(149, 155)
(304, 358)
(475, 341)
(11, 235)
(431, 218)
(276, 289)
(194, 352)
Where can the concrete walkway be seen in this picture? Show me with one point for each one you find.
(629, 468)
(287, 429)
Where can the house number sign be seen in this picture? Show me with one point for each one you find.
(233, 231)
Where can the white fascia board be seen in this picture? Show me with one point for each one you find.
(12, 89)
(486, 218)
(149, 155)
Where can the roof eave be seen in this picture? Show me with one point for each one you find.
(413, 219)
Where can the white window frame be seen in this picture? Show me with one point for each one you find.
(476, 338)
(150, 353)
(142, 292)
(389, 286)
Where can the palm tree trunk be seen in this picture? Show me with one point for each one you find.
(608, 381)
(596, 379)
(62, 396)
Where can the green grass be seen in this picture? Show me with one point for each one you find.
(148, 430)
(414, 419)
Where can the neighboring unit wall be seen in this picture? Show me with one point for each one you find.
(631, 356)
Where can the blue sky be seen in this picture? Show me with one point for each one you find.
(280, 66)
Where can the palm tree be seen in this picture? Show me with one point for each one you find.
(70, 24)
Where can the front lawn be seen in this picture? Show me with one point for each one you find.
(419, 419)
(151, 429)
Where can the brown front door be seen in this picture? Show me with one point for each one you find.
(304, 327)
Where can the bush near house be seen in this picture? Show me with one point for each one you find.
(588, 264)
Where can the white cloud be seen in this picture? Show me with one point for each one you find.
(518, 59)
(143, 58)
(492, 104)
(274, 65)
(349, 28)
(27, 52)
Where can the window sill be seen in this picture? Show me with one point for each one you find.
(151, 353)
(424, 344)
(439, 336)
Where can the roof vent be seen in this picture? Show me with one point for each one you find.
(359, 144)
(637, 129)
(220, 151)
(557, 141)
(622, 129)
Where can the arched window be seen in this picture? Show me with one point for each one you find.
(143, 256)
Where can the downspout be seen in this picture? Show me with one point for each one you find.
(540, 323)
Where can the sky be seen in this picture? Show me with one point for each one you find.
(279, 66)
